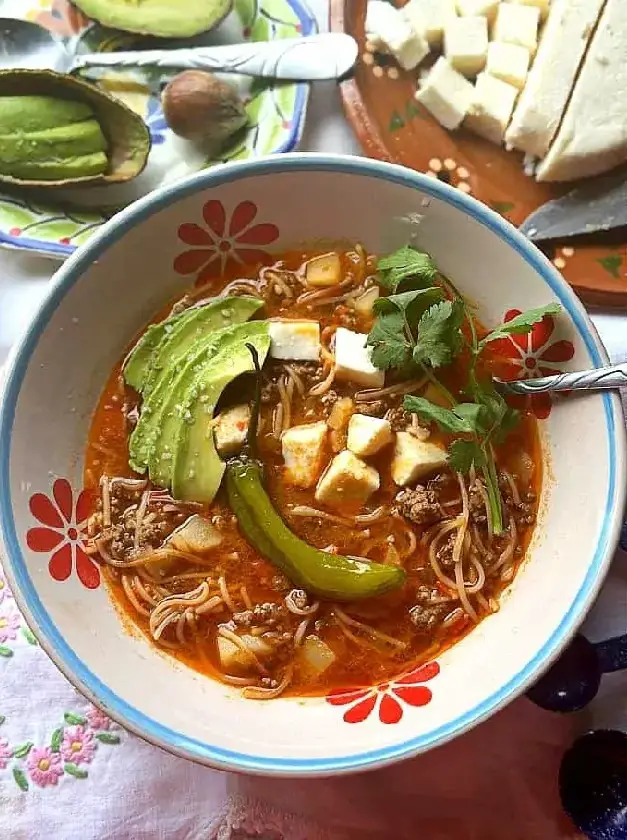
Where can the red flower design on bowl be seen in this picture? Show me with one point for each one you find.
(62, 533)
(531, 356)
(223, 239)
(389, 698)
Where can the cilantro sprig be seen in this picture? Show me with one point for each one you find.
(422, 326)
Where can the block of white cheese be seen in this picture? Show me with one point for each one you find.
(347, 481)
(231, 429)
(466, 44)
(429, 17)
(550, 81)
(543, 5)
(517, 25)
(415, 459)
(296, 339)
(485, 8)
(352, 360)
(508, 62)
(368, 435)
(592, 137)
(392, 33)
(446, 94)
(491, 110)
(304, 453)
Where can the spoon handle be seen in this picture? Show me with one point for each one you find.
(315, 57)
(597, 379)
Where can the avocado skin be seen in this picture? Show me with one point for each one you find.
(161, 18)
(198, 469)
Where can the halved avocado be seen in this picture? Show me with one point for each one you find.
(128, 138)
(162, 18)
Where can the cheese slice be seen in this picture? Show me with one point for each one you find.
(563, 44)
(593, 135)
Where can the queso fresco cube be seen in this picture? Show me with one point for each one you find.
(352, 360)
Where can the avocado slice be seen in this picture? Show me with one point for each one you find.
(189, 329)
(52, 100)
(162, 18)
(198, 469)
(71, 140)
(182, 394)
(137, 362)
(193, 343)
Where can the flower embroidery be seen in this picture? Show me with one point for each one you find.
(78, 745)
(44, 766)
(9, 625)
(5, 592)
(63, 19)
(62, 533)
(531, 356)
(389, 697)
(5, 753)
(224, 240)
(98, 719)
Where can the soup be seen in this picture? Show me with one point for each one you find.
(303, 478)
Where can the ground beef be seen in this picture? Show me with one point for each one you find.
(444, 554)
(399, 418)
(476, 503)
(425, 618)
(377, 408)
(419, 505)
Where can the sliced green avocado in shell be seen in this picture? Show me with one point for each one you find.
(127, 136)
(53, 170)
(162, 18)
(40, 113)
(72, 140)
(198, 469)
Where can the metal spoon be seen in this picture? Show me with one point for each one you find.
(24, 44)
(597, 379)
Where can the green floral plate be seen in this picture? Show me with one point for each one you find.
(276, 111)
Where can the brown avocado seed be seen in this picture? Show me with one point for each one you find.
(202, 108)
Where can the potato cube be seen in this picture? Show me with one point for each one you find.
(466, 44)
(492, 109)
(325, 270)
(429, 17)
(414, 459)
(508, 62)
(347, 482)
(231, 429)
(352, 360)
(446, 94)
(235, 660)
(304, 452)
(516, 24)
(295, 339)
(367, 435)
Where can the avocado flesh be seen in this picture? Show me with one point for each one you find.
(190, 345)
(82, 166)
(183, 394)
(192, 327)
(198, 469)
(38, 113)
(137, 362)
(162, 18)
(76, 139)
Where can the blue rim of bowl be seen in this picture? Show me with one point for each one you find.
(133, 719)
(309, 26)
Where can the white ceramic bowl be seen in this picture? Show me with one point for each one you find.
(106, 292)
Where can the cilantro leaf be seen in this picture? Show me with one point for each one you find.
(388, 343)
(407, 269)
(410, 304)
(439, 335)
(447, 419)
(464, 454)
(521, 324)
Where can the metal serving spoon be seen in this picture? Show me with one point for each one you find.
(24, 44)
(597, 379)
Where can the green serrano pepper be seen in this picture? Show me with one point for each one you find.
(324, 574)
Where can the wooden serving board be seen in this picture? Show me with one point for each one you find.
(390, 125)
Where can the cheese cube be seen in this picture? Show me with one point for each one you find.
(304, 452)
(484, 8)
(367, 435)
(543, 5)
(392, 33)
(466, 44)
(517, 25)
(414, 459)
(429, 17)
(231, 429)
(352, 360)
(294, 339)
(446, 94)
(492, 109)
(347, 482)
(508, 62)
